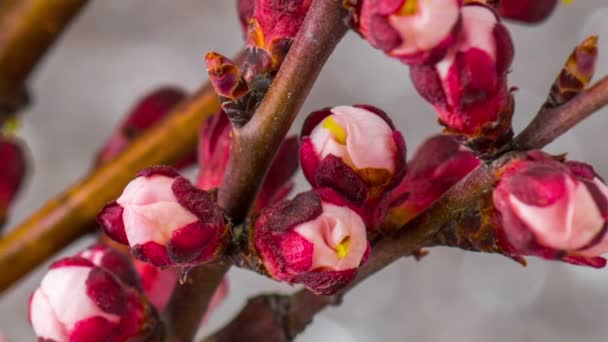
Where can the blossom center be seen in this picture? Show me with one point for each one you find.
(409, 8)
(343, 247)
(338, 133)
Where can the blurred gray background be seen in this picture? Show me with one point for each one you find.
(118, 50)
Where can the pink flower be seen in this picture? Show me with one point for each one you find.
(315, 240)
(355, 151)
(12, 173)
(78, 301)
(414, 31)
(215, 143)
(554, 210)
(526, 10)
(166, 220)
(439, 164)
(468, 87)
(147, 112)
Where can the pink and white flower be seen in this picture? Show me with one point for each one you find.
(166, 220)
(414, 31)
(354, 150)
(468, 87)
(554, 210)
(316, 240)
(78, 301)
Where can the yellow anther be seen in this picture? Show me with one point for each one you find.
(336, 130)
(568, 2)
(410, 7)
(342, 248)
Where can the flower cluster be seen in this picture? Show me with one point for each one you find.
(353, 157)
(459, 57)
(552, 209)
(12, 173)
(166, 220)
(356, 151)
(81, 298)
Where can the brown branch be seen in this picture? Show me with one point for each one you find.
(256, 143)
(284, 317)
(550, 124)
(70, 214)
(28, 28)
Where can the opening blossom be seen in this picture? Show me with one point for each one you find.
(78, 301)
(354, 150)
(414, 31)
(166, 220)
(439, 164)
(316, 240)
(12, 173)
(468, 87)
(554, 210)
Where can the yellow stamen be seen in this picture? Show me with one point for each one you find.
(410, 7)
(568, 2)
(342, 248)
(335, 129)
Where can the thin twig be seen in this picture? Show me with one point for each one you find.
(287, 320)
(28, 28)
(550, 124)
(256, 143)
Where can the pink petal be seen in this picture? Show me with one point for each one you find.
(43, 318)
(426, 29)
(329, 229)
(568, 224)
(66, 291)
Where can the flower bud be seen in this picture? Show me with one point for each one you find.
(214, 151)
(526, 10)
(148, 111)
(12, 173)
(271, 31)
(413, 31)
(553, 210)
(113, 261)
(439, 164)
(468, 87)
(166, 220)
(78, 301)
(315, 240)
(353, 150)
